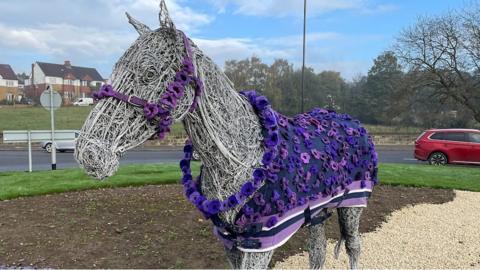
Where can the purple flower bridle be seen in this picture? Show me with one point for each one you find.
(161, 111)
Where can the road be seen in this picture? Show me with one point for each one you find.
(18, 160)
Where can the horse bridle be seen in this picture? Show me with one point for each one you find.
(161, 110)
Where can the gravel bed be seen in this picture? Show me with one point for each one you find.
(420, 236)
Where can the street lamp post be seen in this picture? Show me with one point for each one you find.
(303, 62)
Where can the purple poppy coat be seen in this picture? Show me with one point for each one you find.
(314, 161)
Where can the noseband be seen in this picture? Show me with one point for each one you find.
(161, 110)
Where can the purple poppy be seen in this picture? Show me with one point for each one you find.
(106, 91)
(282, 121)
(247, 189)
(194, 196)
(248, 211)
(188, 149)
(315, 153)
(182, 78)
(296, 148)
(283, 153)
(267, 158)
(367, 176)
(176, 88)
(188, 66)
(186, 177)
(308, 144)
(150, 111)
(242, 221)
(302, 201)
(333, 165)
(325, 140)
(232, 201)
(168, 100)
(305, 157)
(258, 199)
(259, 174)
(267, 209)
(271, 221)
(261, 103)
(184, 164)
(272, 139)
(272, 177)
(280, 205)
(269, 118)
(275, 196)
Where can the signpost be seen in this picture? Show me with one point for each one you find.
(51, 100)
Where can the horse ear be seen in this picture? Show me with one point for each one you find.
(140, 27)
(165, 20)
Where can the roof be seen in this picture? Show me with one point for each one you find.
(63, 71)
(7, 73)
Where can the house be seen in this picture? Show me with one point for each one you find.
(9, 91)
(72, 82)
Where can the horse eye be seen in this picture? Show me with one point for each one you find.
(149, 76)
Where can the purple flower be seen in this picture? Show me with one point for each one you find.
(282, 121)
(259, 174)
(188, 66)
(275, 196)
(106, 91)
(182, 78)
(248, 211)
(280, 205)
(271, 221)
(349, 131)
(186, 177)
(232, 201)
(150, 111)
(176, 88)
(258, 199)
(199, 201)
(267, 158)
(213, 207)
(272, 139)
(261, 103)
(315, 153)
(283, 153)
(194, 196)
(168, 100)
(269, 118)
(267, 210)
(305, 157)
(188, 149)
(242, 221)
(184, 164)
(247, 189)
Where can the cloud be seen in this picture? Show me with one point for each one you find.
(273, 8)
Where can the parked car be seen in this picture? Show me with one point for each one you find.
(443, 146)
(60, 145)
(83, 102)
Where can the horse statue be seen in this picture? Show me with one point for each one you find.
(263, 175)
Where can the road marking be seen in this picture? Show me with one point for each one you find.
(410, 159)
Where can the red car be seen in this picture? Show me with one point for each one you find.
(442, 146)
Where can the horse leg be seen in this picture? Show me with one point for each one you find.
(349, 219)
(317, 244)
(248, 260)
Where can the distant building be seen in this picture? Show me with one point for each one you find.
(71, 82)
(8, 84)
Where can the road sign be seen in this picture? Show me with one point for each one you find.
(56, 99)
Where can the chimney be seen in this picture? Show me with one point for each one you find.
(67, 64)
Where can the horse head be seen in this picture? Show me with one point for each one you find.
(153, 84)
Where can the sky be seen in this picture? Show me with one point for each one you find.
(342, 35)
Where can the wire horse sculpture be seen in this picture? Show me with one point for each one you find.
(263, 175)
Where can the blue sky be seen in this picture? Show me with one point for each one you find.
(343, 35)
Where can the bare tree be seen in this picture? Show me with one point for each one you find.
(447, 50)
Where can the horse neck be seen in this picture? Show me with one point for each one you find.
(225, 132)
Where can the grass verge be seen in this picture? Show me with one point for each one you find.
(20, 184)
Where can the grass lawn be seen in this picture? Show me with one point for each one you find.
(37, 118)
(447, 177)
(19, 184)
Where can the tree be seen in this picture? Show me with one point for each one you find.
(446, 49)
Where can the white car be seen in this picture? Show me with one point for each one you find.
(60, 145)
(83, 102)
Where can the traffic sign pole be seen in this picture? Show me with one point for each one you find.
(52, 122)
